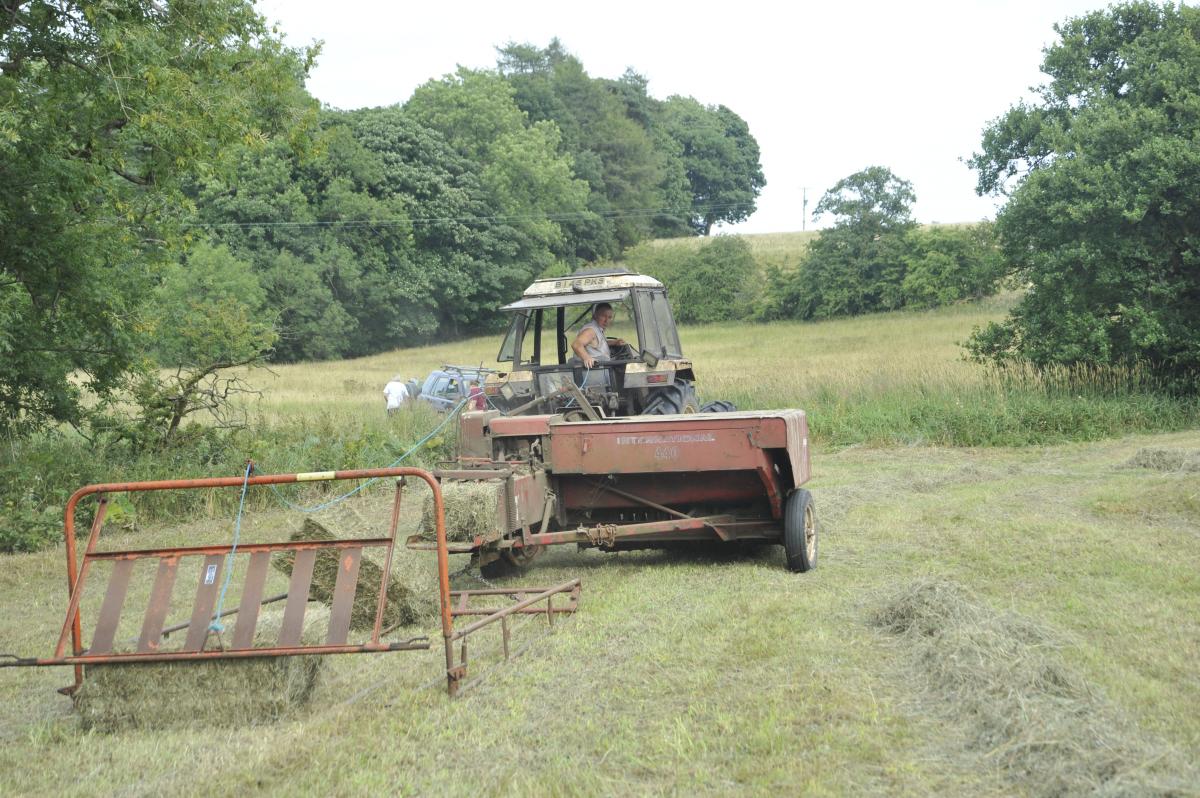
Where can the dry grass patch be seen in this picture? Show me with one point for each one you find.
(1000, 678)
(1155, 459)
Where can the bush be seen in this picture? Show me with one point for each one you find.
(848, 275)
(715, 281)
(39, 473)
(949, 264)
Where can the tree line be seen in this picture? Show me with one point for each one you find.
(199, 210)
(874, 258)
(170, 196)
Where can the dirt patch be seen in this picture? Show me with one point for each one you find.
(999, 678)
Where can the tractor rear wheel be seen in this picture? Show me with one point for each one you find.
(672, 399)
(718, 406)
(800, 532)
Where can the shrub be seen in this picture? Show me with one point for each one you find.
(715, 281)
(844, 274)
(949, 264)
(39, 472)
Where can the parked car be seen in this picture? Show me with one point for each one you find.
(444, 388)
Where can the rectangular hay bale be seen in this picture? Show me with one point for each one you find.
(411, 593)
(232, 692)
(472, 509)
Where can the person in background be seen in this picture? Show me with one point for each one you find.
(395, 394)
(476, 400)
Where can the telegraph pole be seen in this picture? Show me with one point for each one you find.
(804, 218)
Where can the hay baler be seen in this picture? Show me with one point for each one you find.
(632, 483)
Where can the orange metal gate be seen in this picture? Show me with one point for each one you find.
(204, 641)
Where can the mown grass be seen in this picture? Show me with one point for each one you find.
(702, 674)
(705, 674)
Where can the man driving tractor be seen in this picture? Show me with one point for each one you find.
(590, 344)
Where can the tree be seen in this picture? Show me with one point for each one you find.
(1102, 174)
(713, 281)
(104, 107)
(950, 264)
(857, 266)
(208, 315)
(630, 174)
(721, 159)
(322, 237)
(529, 181)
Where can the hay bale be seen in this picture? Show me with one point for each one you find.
(999, 678)
(1181, 460)
(410, 597)
(471, 509)
(232, 692)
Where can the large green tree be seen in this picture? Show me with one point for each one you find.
(387, 233)
(634, 171)
(530, 182)
(858, 265)
(1102, 174)
(209, 315)
(721, 159)
(104, 107)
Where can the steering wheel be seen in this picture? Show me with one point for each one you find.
(620, 352)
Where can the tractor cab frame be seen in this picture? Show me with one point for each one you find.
(646, 376)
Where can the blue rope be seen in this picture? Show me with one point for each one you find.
(284, 500)
(216, 625)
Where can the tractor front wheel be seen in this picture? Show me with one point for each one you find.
(800, 532)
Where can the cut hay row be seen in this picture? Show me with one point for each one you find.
(999, 677)
(1179, 460)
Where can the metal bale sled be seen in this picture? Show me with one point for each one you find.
(204, 639)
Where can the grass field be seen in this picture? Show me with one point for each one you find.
(886, 379)
(769, 249)
(723, 673)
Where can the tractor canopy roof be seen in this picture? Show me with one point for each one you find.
(584, 287)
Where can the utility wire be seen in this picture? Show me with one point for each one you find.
(497, 218)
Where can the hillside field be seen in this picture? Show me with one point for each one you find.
(986, 619)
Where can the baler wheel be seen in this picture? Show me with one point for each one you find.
(511, 561)
(800, 532)
(718, 406)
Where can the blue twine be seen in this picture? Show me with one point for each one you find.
(583, 382)
(216, 625)
(284, 500)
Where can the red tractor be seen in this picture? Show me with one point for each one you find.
(617, 456)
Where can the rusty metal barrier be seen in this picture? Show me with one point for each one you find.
(525, 599)
(216, 558)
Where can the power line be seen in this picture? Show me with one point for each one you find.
(497, 218)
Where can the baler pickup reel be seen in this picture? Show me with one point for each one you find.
(243, 571)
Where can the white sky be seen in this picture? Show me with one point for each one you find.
(827, 89)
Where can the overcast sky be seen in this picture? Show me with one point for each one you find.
(826, 88)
